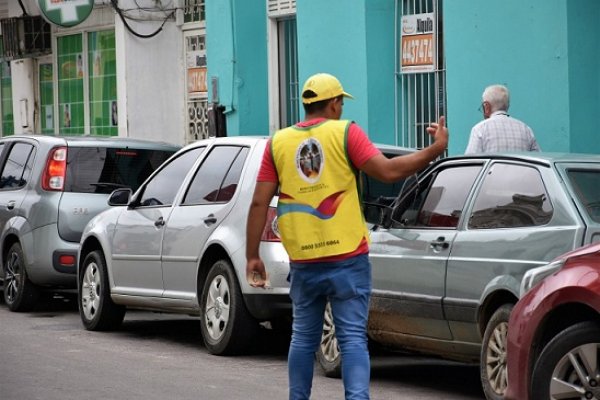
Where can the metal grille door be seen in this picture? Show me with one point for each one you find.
(420, 70)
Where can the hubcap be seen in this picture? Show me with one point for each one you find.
(13, 277)
(576, 375)
(216, 314)
(90, 291)
(329, 342)
(496, 359)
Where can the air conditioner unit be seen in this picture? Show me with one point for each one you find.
(25, 37)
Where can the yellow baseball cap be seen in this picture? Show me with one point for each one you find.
(322, 87)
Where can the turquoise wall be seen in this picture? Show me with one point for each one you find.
(237, 55)
(519, 43)
(583, 19)
(353, 40)
(545, 51)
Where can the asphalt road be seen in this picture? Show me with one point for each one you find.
(47, 355)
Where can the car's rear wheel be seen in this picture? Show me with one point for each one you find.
(568, 366)
(493, 354)
(20, 294)
(97, 310)
(329, 356)
(227, 326)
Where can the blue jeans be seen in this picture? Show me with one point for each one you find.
(347, 286)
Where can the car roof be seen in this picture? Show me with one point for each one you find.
(91, 140)
(545, 158)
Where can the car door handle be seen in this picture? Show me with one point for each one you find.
(159, 222)
(440, 244)
(10, 205)
(211, 219)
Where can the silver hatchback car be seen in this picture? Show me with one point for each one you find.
(178, 245)
(50, 187)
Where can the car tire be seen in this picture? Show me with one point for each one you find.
(580, 344)
(493, 354)
(97, 310)
(328, 355)
(20, 294)
(227, 327)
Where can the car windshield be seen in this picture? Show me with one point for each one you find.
(586, 183)
(102, 170)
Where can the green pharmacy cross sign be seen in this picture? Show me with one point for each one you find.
(66, 13)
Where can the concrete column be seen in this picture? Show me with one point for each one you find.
(23, 95)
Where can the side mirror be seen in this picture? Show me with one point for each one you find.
(120, 197)
(377, 214)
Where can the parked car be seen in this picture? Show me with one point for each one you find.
(448, 254)
(554, 330)
(178, 245)
(50, 187)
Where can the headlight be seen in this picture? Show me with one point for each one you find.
(534, 275)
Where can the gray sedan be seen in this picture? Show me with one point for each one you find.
(449, 252)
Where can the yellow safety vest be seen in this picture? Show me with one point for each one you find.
(319, 211)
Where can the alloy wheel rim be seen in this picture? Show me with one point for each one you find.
(496, 359)
(577, 374)
(218, 306)
(329, 342)
(13, 277)
(90, 291)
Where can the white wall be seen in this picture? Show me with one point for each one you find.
(150, 82)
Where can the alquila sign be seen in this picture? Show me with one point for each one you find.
(66, 12)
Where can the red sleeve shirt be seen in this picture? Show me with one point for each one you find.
(360, 150)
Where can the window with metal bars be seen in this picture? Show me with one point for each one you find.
(420, 87)
(288, 73)
(194, 11)
(283, 63)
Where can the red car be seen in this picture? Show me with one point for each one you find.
(554, 330)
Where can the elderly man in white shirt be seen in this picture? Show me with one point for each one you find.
(499, 132)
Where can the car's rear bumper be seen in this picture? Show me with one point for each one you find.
(266, 306)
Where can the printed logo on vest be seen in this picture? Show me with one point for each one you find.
(310, 160)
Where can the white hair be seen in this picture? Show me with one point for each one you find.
(498, 97)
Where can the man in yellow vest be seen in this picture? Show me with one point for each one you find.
(315, 164)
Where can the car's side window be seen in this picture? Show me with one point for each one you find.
(162, 188)
(217, 178)
(18, 166)
(511, 196)
(585, 182)
(438, 201)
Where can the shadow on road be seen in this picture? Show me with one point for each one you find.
(427, 373)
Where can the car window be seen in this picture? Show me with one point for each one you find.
(587, 190)
(511, 196)
(162, 188)
(217, 178)
(102, 170)
(17, 168)
(375, 192)
(438, 201)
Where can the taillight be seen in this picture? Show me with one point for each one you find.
(56, 170)
(271, 231)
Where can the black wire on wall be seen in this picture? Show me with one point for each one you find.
(119, 11)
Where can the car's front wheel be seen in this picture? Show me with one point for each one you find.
(227, 326)
(97, 310)
(329, 356)
(20, 294)
(493, 354)
(568, 366)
